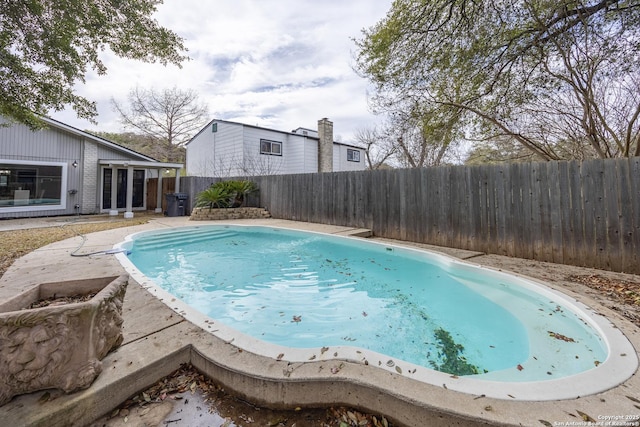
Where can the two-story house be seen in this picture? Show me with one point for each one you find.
(229, 149)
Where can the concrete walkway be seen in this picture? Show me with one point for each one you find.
(157, 340)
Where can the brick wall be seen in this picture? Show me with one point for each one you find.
(89, 164)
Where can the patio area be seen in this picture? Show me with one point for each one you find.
(157, 340)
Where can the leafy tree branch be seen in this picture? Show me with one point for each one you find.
(556, 77)
(48, 46)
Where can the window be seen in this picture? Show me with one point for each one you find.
(32, 185)
(273, 148)
(353, 155)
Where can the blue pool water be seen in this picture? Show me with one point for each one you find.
(307, 290)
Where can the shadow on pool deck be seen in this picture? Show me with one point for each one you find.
(157, 340)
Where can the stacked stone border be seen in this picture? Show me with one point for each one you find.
(206, 214)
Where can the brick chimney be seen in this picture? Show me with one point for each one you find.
(325, 145)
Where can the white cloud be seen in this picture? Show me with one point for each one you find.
(275, 63)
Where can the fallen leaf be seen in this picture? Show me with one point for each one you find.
(585, 417)
(560, 337)
(45, 397)
(633, 399)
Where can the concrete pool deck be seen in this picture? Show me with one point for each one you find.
(157, 340)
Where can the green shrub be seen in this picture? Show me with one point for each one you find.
(240, 191)
(213, 198)
(224, 194)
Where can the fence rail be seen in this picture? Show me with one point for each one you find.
(578, 213)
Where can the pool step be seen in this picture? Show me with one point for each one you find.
(164, 240)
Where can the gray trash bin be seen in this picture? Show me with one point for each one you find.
(176, 204)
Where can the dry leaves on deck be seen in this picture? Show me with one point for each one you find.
(187, 381)
(621, 290)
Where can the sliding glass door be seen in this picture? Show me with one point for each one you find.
(121, 188)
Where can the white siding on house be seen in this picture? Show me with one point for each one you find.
(296, 161)
(228, 150)
(217, 153)
(198, 149)
(311, 155)
(255, 163)
(234, 151)
(340, 156)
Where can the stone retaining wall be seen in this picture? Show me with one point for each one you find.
(206, 214)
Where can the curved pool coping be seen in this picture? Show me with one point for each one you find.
(619, 366)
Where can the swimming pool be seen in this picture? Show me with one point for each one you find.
(303, 296)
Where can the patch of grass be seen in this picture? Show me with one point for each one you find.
(17, 243)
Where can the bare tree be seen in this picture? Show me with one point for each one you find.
(170, 115)
(260, 165)
(412, 138)
(146, 145)
(216, 167)
(236, 166)
(379, 148)
(424, 136)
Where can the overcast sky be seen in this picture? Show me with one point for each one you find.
(279, 64)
